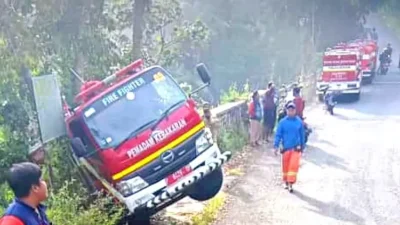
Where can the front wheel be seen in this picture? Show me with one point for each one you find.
(368, 80)
(208, 187)
(138, 218)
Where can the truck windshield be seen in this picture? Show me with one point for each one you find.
(132, 107)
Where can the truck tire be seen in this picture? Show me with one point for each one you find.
(136, 219)
(208, 187)
(368, 80)
(357, 96)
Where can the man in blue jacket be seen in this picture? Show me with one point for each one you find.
(290, 135)
(30, 190)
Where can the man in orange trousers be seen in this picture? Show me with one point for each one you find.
(291, 135)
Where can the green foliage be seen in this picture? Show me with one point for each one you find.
(270, 39)
(93, 37)
(236, 94)
(232, 138)
(389, 12)
(66, 208)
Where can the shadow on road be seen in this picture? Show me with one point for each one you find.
(321, 158)
(331, 209)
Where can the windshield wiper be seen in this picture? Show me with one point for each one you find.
(166, 113)
(133, 133)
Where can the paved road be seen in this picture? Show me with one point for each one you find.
(350, 173)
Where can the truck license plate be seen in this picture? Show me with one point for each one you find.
(173, 178)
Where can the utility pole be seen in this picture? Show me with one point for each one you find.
(313, 23)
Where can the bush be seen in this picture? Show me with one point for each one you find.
(232, 139)
(66, 207)
(235, 94)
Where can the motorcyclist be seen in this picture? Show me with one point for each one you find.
(385, 56)
(387, 52)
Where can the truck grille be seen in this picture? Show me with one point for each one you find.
(158, 169)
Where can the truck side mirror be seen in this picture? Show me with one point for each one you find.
(203, 73)
(78, 147)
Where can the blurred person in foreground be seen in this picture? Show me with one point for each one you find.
(30, 190)
(211, 121)
(269, 111)
(255, 114)
(291, 135)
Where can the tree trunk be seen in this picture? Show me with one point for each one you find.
(138, 22)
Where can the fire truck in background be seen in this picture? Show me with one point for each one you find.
(139, 137)
(341, 72)
(368, 51)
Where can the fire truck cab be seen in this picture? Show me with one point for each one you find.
(139, 137)
(341, 72)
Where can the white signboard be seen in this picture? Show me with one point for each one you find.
(49, 107)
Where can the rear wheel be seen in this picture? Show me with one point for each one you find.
(208, 187)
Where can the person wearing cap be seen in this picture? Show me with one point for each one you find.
(256, 115)
(290, 135)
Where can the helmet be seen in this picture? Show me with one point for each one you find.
(206, 106)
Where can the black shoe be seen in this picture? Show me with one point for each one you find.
(286, 186)
(290, 188)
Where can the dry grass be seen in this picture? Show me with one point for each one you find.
(234, 172)
(210, 212)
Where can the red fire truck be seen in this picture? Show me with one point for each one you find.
(369, 52)
(341, 72)
(139, 137)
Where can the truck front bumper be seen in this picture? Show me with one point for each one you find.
(342, 87)
(207, 162)
(367, 73)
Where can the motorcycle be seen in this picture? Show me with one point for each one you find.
(329, 101)
(384, 68)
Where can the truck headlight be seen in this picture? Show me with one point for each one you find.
(131, 186)
(204, 141)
